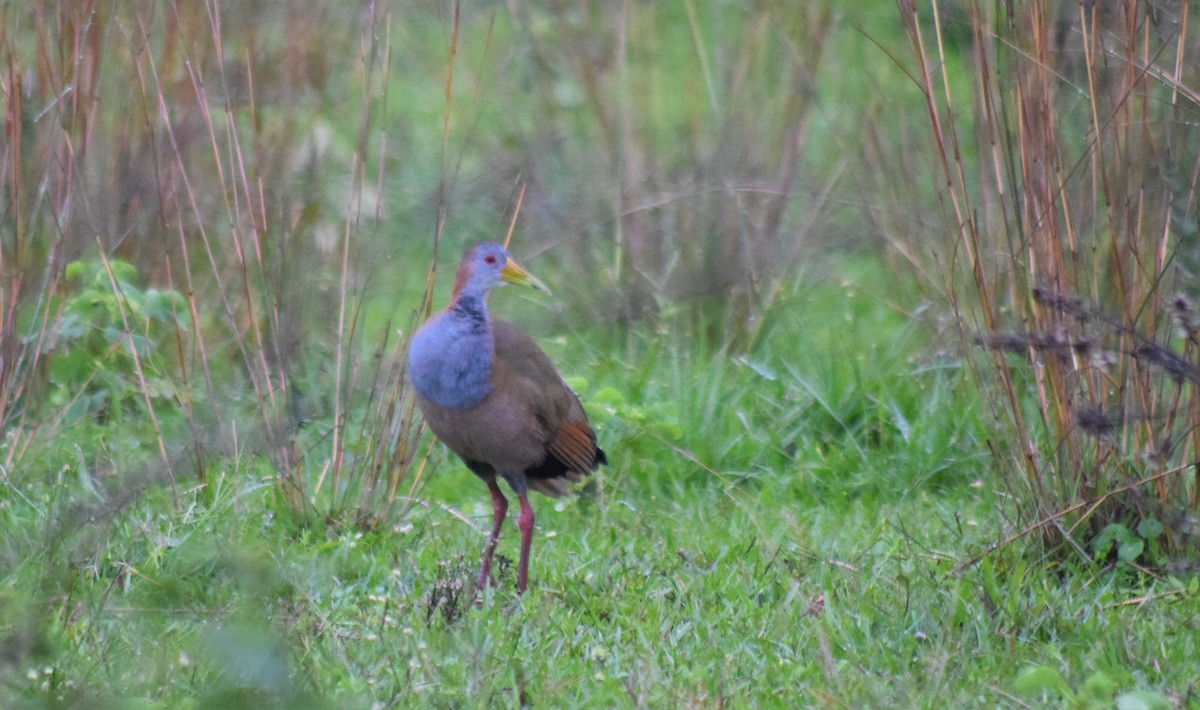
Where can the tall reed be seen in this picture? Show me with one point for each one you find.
(168, 136)
(1066, 158)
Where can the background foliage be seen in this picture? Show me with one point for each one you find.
(883, 311)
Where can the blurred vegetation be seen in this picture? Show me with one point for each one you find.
(234, 154)
(774, 284)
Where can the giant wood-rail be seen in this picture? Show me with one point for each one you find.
(491, 395)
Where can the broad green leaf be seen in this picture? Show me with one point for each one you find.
(1113, 532)
(123, 271)
(74, 270)
(1149, 528)
(667, 430)
(1036, 680)
(608, 395)
(1100, 687)
(1130, 550)
(1142, 700)
(143, 345)
(578, 385)
(71, 326)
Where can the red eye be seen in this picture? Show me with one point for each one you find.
(490, 259)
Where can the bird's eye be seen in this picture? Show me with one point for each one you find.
(490, 259)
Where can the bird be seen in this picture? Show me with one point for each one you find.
(494, 398)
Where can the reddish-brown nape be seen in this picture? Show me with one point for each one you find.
(460, 278)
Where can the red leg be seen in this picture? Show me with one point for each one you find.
(499, 509)
(525, 523)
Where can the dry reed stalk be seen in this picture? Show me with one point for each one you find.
(1068, 247)
(166, 136)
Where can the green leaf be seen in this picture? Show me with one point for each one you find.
(609, 396)
(134, 299)
(1036, 680)
(139, 342)
(123, 272)
(159, 388)
(1100, 687)
(578, 385)
(1142, 700)
(1130, 550)
(74, 270)
(70, 327)
(71, 368)
(988, 576)
(1113, 532)
(667, 430)
(1149, 528)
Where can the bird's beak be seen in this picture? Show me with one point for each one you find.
(513, 273)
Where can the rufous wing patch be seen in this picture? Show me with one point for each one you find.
(575, 446)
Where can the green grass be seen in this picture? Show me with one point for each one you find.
(800, 490)
(779, 528)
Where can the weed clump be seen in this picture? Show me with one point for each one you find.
(453, 591)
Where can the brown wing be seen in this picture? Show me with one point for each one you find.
(570, 443)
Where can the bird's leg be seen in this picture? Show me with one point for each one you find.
(525, 523)
(499, 509)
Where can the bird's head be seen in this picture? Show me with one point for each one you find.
(486, 265)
